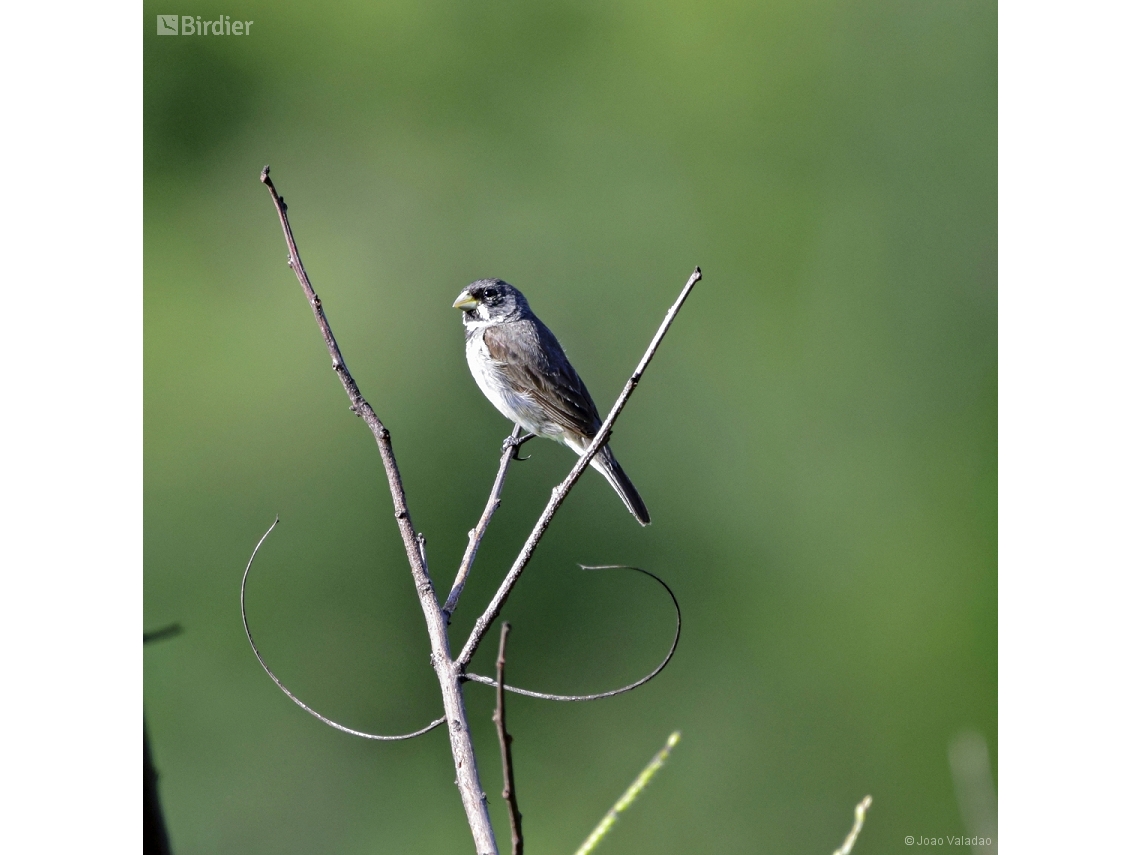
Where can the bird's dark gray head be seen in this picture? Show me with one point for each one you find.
(491, 301)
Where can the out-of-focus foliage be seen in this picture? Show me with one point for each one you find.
(816, 439)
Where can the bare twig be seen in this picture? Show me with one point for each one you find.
(285, 689)
(853, 835)
(558, 496)
(630, 795)
(505, 740)
(447, 671)
(475, 678)
(475, 536)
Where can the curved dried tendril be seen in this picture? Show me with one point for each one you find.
(282, 687)
(487, 681)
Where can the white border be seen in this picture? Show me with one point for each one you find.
(1069, 334)
(71, 344)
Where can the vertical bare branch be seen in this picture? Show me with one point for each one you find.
(505, 740)
(467, 774)
(558, 496)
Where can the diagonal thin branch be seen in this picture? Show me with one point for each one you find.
(356, 400)
(558, 496)
(448, 673)
(475, 536)
(505, 740)
(487, 681)
(630, 795)
(282, 686)
(853, 835)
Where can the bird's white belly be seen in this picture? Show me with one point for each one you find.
(517, 407)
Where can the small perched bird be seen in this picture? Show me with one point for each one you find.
(523, 371)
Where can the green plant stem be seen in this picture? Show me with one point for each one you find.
(853, 835)
(628, 797)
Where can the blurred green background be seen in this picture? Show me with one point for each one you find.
(816, 439)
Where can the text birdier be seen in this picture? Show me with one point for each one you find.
(193, 25)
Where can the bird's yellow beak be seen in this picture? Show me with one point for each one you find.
(465, 302)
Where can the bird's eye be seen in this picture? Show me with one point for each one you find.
(491, 293)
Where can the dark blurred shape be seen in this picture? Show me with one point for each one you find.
(161, 634)
(155, 841)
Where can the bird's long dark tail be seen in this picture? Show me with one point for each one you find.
(605, 462)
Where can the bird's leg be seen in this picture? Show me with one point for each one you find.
(515, 441)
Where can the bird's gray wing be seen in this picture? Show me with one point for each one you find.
(534, 364)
